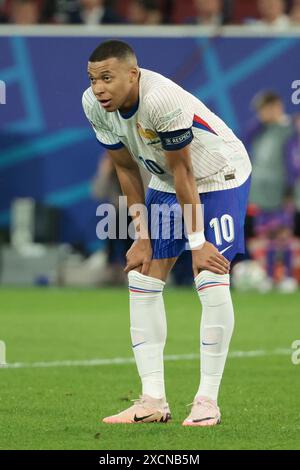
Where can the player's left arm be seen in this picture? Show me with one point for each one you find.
(171, 115)
(204, 254)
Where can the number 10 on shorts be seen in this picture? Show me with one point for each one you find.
(223, 228)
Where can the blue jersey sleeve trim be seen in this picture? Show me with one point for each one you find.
(176, 140)
(117, 146)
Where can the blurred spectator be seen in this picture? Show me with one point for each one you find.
(54, 11)
(93, 12)
(3, 15)
(268, 141)
(58, 11)
(295, 13)
(293, 166)
(243, 11)
(208, 13)
(144, 12)
(272, 14)
(24, 12)
(3, 18)
(270, 187)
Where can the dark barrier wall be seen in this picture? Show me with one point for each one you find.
(48, 150)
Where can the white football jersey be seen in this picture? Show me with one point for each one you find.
(168, 118)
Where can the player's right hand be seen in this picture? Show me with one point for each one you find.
(208, 258)
(139, 256)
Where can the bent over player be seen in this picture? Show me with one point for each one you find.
(143, 118)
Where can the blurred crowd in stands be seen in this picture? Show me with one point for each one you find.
(273, 226)
(277, 14)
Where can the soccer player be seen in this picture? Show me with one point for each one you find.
(143, 118)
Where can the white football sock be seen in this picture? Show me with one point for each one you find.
(148, 331)
(215, 331)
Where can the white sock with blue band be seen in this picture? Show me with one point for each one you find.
(216, 329)
(148, 331)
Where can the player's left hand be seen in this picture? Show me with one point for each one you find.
(208, 258)
(139, 256)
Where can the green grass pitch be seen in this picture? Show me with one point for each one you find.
(60, 407)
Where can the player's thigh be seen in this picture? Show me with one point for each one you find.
(224, 218)
(166, 230)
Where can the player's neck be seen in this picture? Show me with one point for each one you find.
(132, 98)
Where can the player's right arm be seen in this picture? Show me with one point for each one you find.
(128, 175)
(140, 253)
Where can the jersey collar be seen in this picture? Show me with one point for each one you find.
(131, 112)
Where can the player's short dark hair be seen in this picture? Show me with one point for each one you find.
(112, 48)
(265, 98)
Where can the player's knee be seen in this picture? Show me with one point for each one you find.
(143, 283)
(213, 289)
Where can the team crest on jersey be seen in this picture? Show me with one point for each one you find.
(148, 134)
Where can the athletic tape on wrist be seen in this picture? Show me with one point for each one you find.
(196, 239)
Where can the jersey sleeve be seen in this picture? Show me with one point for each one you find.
(105, 136)
(171, 117)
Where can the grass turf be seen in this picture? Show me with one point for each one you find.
(62, 407)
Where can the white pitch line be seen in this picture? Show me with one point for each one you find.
(129, 360)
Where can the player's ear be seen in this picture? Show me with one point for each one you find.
(134, 74)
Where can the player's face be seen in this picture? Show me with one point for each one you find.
(114, 83)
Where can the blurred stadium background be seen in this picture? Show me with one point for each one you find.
(241, 57)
